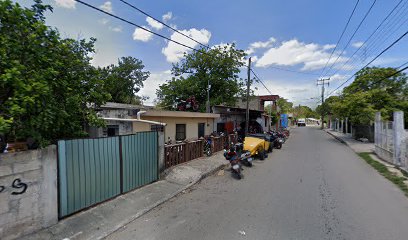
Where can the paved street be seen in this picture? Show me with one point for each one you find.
(313, 188)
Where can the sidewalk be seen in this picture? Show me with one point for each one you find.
(104, 219)
(360, 147)
(357, 146)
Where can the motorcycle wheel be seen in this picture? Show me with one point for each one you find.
(279, 146)
(261, 154)
(239, 176)
(208, 152)
(249, 164)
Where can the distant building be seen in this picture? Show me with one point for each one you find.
(116, 116)
(232, 118)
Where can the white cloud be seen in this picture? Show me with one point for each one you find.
(258, 45)
(116, 29)
(107, 6)
(103, 21)
(337, 77)
(152, 83)
(154, 24)
(66, 3)
(168, 16)
(357, 44)
(289, 53)
(299, 93)
(329, 46)
(142, 35)
(175, 52)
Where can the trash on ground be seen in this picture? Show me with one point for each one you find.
(221, 173)
(242, 233)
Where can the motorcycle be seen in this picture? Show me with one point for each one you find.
(246, 158)
(207, 147)
(235, 161)
(277, 139)
(190, 103)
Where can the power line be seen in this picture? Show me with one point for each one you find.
(261, 81)
(399, 71)
(382, 52)
(143, 12)
(383, 37)
(354, 33)
(341, 36)
(364, 43)
(136, 25)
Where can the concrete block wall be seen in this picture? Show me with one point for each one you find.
(28, 192)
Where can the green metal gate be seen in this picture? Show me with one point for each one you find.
(139, 156)
(91, 171)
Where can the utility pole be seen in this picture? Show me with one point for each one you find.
(322, 82)
(247, 98)
(208, 107)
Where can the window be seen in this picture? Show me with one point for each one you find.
(112, 130)
(157, 128)
(180, 132)
(201, 130)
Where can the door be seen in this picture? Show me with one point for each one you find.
(201, 130)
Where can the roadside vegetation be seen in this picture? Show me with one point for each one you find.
(383, 170)
(374, 89)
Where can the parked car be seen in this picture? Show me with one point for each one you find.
(256, 146)
(267, 137)
(301, 122)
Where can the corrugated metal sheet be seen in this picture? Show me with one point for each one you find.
(93, 170)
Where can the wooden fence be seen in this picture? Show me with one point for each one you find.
(187, 151)
(183, 152)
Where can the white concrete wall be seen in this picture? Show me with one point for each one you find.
(31, 204)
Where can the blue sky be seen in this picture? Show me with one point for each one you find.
(298, 35)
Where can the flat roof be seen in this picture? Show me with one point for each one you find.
(243, 109)
(114, 105)
(179, 114)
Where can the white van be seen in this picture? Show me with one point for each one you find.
(301, 122)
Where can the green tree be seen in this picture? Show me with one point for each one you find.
(284, 105)
(47, 85)
(371, 91)
(123, 81)
(219, 66)
(304, 112)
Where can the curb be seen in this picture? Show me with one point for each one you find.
(339, 139)
(158, 203)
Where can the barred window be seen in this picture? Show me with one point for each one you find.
(180, 132)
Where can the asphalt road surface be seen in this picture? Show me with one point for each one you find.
(313, 188)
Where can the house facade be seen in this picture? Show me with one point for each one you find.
(233, 118)
(115, 115)
(179, 125)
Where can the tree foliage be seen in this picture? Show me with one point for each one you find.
(219, 66)
(46, 82)
(284, 105)
(371, 91)
(124, 80)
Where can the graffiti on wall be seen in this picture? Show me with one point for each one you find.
(18, 186)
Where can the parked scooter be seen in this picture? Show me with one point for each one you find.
(235, 161)
(278, 140)
(208, 146)
(246, 158)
